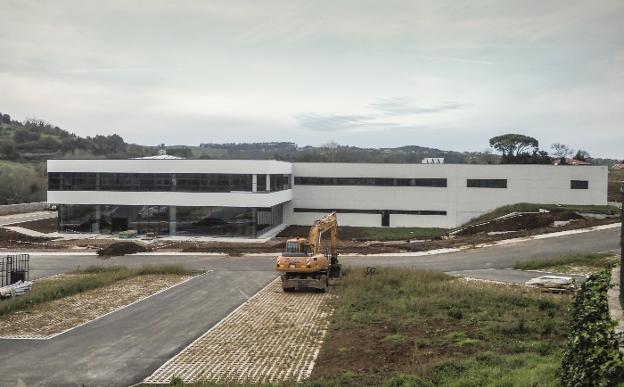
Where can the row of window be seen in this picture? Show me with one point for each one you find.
(376, 181)
(372, 181)
(216, 182)
(163, 220)
(163, 182)
(356, 211)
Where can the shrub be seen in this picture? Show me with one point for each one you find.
(592, 357)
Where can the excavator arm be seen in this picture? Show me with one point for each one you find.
(326, 223)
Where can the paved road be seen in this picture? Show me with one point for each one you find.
(497, 257)
(126, 346)
(26, 217)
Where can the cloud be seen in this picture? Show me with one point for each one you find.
(340, 123)
(402, 106)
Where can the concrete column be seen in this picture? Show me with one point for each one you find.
(96, 226)
(172, 220)
(268, 183)
(254, 222)
(254, 183)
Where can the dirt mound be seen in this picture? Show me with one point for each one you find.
(521, 222)
(45, 226)
(12, 236)
(121, 248)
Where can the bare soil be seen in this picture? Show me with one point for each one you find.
(45, 226)
(350, 241)
(522, 222)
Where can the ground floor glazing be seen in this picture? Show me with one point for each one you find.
(169, 220)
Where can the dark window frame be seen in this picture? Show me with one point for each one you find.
(579, 184)
(487, 183)
(372, 181)
(365, 211)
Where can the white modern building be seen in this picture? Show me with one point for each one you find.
(251, 197)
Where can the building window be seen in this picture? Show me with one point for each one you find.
(372, 181)
(579, 184)
(356, 211)
(280, 182)
(261, 186)
(486, 183)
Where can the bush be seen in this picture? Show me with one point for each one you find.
(122, 248)
(592, 357)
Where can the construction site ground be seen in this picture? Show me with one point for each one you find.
(129, 345)
(51, 318)
(351, 241)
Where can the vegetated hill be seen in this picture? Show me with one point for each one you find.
(36, 140)
(25, 146)
(289, 151)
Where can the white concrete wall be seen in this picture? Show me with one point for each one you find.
(172, 166)
(542, 184)
(221, 199)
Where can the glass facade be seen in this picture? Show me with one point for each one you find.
(170, 220)
(161, 182)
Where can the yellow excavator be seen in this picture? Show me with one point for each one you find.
(303, 265)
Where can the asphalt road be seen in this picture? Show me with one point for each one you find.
(124, 347)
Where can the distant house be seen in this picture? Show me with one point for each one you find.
(433, 160)
(619, 166)
(568, 161)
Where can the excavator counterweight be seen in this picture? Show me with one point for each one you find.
(302, 263)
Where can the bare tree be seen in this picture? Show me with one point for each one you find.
(560, 150)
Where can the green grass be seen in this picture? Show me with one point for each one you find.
(571, 263)
(401, 233)
(530, 207)
(82, 280)
(426, 326)
(492, 369)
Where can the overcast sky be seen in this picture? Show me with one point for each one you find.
(445, 74)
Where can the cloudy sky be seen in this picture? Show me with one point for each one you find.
(445, 74)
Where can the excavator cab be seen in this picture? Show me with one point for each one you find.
(297, 246)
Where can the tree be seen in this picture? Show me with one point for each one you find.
(512, 145)
(561, 151)
(581, 155)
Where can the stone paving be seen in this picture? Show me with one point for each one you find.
(273, 337)
(49, 319)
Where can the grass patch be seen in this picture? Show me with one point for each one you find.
(492, 369)
(80, 281)
(530, 207)
(401, 233)
(573, 264)
(403, 324)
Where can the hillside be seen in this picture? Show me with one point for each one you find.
(37, 140)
